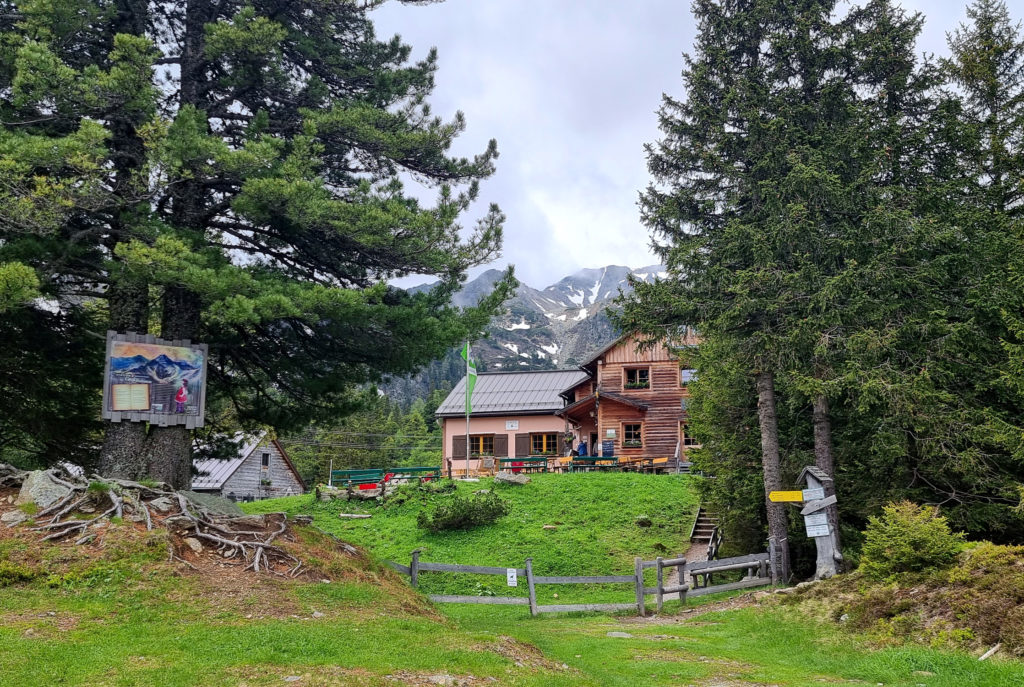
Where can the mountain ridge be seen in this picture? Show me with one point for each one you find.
(556, 327)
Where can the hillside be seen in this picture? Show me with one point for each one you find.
(591, 519)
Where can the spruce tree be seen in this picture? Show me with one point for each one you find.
(233, 173)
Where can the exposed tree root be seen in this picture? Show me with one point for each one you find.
(232, 537)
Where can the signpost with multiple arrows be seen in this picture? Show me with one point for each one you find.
(816, 500)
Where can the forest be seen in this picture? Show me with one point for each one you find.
(841, 217)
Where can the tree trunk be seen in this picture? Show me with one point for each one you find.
(824, 459)
(170, 448)
(772, 465)
(124, 446)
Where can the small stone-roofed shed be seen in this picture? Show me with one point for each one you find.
(513, 416)
(261, 470)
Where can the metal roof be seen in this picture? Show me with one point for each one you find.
(503, 393)
(212, 473)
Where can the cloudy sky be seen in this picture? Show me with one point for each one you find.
(569, 89)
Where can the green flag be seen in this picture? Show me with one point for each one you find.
(470, 377)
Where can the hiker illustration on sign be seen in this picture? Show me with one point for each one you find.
(181, 398)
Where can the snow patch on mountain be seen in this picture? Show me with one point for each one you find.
(519, 325)
(582, 315)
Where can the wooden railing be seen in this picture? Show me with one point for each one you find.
(697, 570)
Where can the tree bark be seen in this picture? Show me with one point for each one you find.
(772, 466)
(123, 455)
(825, 459)
(170, 448)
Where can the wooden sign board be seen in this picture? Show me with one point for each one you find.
(814, 494)
(819, 518)
(818, 530)
(786, 496)
(815, 506)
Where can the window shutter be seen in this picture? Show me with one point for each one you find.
(501, 445)
(522, 445)
(459, 446)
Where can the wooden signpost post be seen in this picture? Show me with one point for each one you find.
(819, 502)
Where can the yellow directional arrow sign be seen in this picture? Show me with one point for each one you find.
(786, 496)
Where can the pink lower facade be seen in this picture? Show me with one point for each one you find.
(507, 426)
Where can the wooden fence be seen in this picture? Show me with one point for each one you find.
(755, 564)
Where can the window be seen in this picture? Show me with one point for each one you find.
(638, 378)
(481, 445)
(632, 436)
(543, 444)
(265, 459)
(688, 441)
(687, 376)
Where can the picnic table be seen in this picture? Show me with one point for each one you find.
(588, 463)
(353, 478)
(524, 463)
(362, 478)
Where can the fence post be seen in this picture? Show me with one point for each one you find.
(660, 583)
(414, 568)
(638, 571)
(530, 587)
(681, 574)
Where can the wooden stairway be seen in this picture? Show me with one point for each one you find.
(704, 527)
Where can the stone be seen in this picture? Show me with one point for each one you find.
(844, 617)
(293, 678)
(551, 527)
(643, 521)
(318, 614)
(213, 504)
(621, 635)
(39, 489)
(505, 477)
(162, 504)
(248, 522)
(482, 491)
(303, 519)
(180, 522)
(12, 518)
(194, 544)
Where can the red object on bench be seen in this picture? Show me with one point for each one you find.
(368, 486)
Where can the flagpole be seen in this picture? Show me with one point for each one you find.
(467, 409)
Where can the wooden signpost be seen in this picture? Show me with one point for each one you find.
(819, 505)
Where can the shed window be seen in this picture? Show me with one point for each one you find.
(481, 445)
(543, 444)
(265, 459)
(638, 378)
(632, 435)
(687, 376)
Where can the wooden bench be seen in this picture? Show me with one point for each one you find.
(524, 464)
(421, 473)
(587, 463)
(353, 478)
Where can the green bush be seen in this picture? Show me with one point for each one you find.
(13, 573)
(461, 513)
(907, 538)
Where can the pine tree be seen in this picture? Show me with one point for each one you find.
(240, 167)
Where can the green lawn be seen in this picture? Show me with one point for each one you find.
(594, 515)
(120, 614)
(131, 634)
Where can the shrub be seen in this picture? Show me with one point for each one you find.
(907, 538)
(461, 513)
(13, 573)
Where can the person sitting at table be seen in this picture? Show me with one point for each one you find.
(581, 450)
